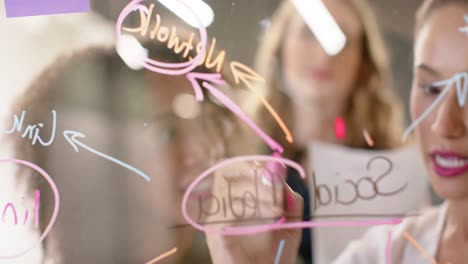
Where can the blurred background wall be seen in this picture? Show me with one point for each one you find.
(27, 45)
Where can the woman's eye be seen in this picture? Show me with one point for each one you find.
(167, 134)
(431, 89)
(307, 33)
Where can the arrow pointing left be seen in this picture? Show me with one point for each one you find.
(72, 138)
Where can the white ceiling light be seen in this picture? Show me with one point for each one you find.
(322, 24)
(200, 8)
(131, 52)
(186, 106)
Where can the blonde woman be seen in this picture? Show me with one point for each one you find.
(311, 89)
(303, 83)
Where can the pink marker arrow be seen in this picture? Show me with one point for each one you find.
(21, 8)
(215, 78)
(195, 77)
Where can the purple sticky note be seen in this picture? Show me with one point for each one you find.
(20, 8)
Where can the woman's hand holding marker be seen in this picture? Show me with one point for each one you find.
(254, 194)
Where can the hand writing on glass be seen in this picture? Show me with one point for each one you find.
(242, 197)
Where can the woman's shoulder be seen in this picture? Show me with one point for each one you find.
(382, 242)
(420, 223)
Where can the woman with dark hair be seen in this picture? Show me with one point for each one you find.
(109, 214)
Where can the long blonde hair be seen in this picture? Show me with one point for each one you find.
(372, 105)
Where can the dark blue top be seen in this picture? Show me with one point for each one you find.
(298, 185)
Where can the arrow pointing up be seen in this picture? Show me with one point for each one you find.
(245, 75)
(195, 77)
(72, 138)
(208, 80)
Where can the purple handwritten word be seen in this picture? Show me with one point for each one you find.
(13, 211)
(22, 8)
(36, 198)
(280, 224)
(159, 66)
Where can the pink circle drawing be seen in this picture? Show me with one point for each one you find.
(164, 67)
(235, 230)
(56, 204)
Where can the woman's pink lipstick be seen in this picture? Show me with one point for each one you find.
(321, 74)
(445, 171)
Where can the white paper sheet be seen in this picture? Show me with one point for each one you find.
(389, 182)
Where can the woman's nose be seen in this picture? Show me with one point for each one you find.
(193, 151)
(320, 54)
(450, 117)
